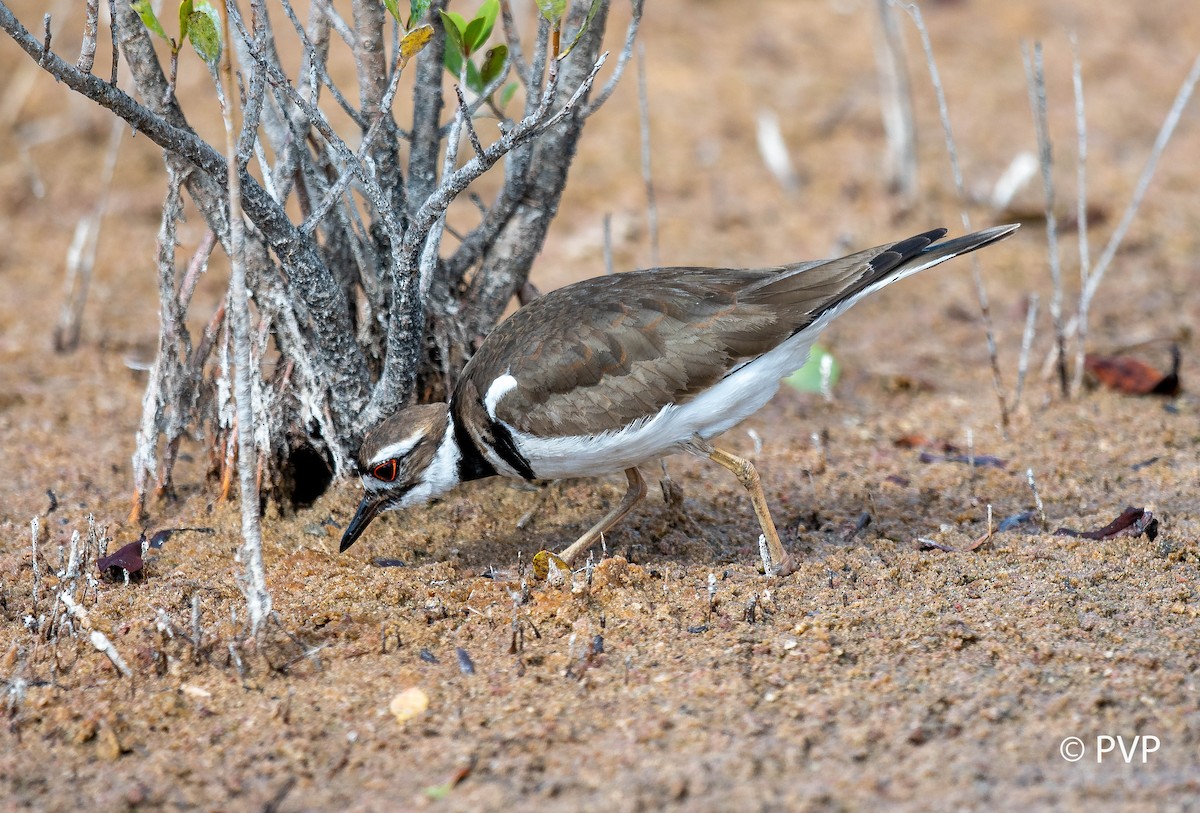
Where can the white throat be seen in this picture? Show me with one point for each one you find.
(440, 476)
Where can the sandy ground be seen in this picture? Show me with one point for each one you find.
(883, 673)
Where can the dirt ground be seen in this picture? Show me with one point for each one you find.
(885, 673)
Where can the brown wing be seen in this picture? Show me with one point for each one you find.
(622, 347)
(601, 353)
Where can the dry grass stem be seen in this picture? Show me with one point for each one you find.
(1096, 276)
(774, 152)
(895, 95)
(1037, 499)
(1035, 77)
(1081, 214)
(81, 256)
(253, 583)
(647, 174)
(1026, 347)
(914, 13)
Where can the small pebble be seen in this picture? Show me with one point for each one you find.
(408, 704)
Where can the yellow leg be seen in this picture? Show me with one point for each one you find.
(781, 563)
(637, 490)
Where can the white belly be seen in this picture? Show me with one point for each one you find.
(733, 399)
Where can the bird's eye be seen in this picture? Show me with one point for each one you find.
(385, 471)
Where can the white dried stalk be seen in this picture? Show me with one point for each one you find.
(1026, 345)
(1081, 215)
(764, 552)
(774, 151)
(1037, 499)
(914, 13)
(647, 174)
(1160, 143)
(81, 255)
(1021, 170)
(99, 639)
(71, 571)
(895, 97)
(826, 369)
(253, 582)
(1035, 77)
(37, 573)
(608, 246)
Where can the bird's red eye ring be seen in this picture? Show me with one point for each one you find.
(385, 471)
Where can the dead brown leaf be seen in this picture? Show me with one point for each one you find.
(1132, 376)
(127, 559)
(1132, 522)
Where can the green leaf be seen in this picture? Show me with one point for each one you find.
(393, 9)
(414, 41)
(471, 35)
(473, 80)
(438, 792)
(417, 9)
(552, 10)
(185, 11)
(453, 61)
(493, 64)
(481, 27)
(149, 19)
(204, 31)
(586, 22)
(818, 373)
(455, 27)
(507, 93)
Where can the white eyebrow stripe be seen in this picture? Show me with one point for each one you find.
(398, 449)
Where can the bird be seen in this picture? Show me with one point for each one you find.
(611, 373)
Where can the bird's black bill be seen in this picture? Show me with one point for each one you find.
(367, 509)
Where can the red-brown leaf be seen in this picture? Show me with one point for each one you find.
(126, 560)
(1133, 376)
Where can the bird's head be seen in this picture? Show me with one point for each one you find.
(407, 460)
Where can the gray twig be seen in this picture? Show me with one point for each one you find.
(466, 120)
(631, 33)
(45, 40)
(399, 362)
(87, 49)
(116, 51)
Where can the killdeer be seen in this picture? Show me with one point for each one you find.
(610, 373)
